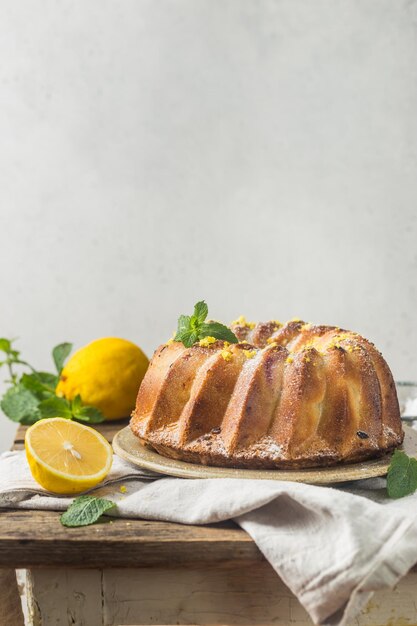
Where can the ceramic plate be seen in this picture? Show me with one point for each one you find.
(127, 446)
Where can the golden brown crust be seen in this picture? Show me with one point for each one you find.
(296, 396)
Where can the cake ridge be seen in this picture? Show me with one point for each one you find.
(286, 395)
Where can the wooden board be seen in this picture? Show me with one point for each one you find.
(38, 539)
(128, 446)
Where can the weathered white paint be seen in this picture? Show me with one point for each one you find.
(215, 595)
(65, 597)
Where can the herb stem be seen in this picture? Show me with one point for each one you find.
(25, 363)
(11, 373)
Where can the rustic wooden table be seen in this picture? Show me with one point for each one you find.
(140, 572)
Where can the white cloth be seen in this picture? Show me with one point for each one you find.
(332, 547)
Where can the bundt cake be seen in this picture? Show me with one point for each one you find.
(291, 395)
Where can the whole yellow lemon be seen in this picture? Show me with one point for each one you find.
(107, 374)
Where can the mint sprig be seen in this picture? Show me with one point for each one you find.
(59, 354)
(20, 405)
(32, 396)
(85, 510)
(192, 328)
(402, 475)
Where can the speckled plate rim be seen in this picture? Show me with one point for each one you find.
(128, 447)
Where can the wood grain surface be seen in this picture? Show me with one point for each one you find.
(10, 606)
(38, 539)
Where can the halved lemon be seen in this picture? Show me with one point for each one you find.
(65, 456)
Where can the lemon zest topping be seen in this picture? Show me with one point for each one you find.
(348, 347)
(249, 354)
(226, 354)
(241, 321)
(123, 488)
(289, 359)
(206, 341)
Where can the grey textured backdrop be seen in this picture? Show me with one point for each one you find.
(261, 155)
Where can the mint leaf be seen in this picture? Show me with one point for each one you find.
(85, 510)
(13, 355)
(189, 338)
(47, 379)
(76, 404)
(30, 382)
(20, 405)
(60, 353)
(402, 475)
(89, 414)
(5, 345)
(186, 331)
(219, 331)
(55, 407)
(191, 329)
(40, 383)
(183, 327)
(200, 311)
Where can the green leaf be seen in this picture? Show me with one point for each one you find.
(191, 329)
(5, 345)
(55, 407)
(31, 382)
(76, 404)
(200, 311)
(189, 338)
(186, 331)
(48, 379)
(89, 414)
(402, 475)
(60, 353)
(85, 510)
(20, 405)
(183, 326)
(40, 383)
(219, 331)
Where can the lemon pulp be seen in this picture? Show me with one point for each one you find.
(67, 457)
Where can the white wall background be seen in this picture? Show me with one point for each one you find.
(261, 155)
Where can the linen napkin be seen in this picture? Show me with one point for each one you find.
(333, 547)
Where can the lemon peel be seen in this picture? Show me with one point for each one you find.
(107, 374)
